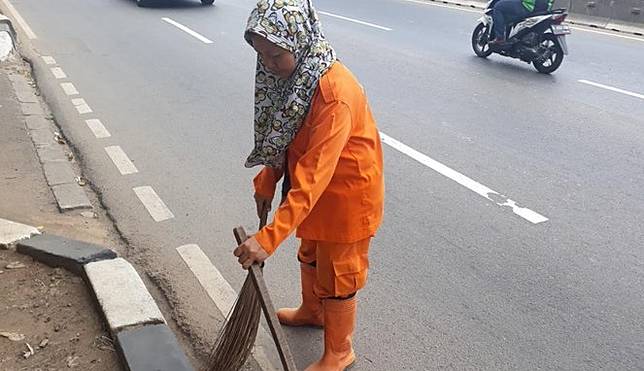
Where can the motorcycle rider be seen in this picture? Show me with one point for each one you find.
(507, 11)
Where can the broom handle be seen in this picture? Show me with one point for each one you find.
(255, 272)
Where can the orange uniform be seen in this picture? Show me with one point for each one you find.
(337, 188)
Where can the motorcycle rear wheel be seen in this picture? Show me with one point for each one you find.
(480, 41)
(550, 64)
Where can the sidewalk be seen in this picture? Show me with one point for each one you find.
(47, 315)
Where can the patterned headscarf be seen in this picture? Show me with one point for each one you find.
(282, 105)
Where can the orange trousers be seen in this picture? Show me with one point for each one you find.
(341, 268)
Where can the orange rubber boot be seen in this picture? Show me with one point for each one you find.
(339, 321)
(310, 312)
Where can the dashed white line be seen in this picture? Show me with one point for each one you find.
(153, 203)
(463, 180)
(96, 126)
(187, 30)
(120, 159)
(21, 21)
(58, 73)
(224, 297)
(48, 60)
(216, 286)
(611, 88)
(356, 21)
(81, 106)
(69, 88)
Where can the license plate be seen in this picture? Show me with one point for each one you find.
(561, 29)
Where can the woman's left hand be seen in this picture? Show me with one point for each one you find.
(250, 252)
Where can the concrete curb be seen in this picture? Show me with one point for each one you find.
(144, 341)
(58, 170)
(7, 38)
(575, 19)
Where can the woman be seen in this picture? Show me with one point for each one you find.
(312, 121)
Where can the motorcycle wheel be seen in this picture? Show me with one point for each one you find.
(479, 41)
(550, 64)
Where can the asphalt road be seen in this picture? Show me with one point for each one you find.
(457, 280)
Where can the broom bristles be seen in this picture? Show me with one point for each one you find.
(237, 337)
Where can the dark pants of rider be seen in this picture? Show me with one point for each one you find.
(504, 12)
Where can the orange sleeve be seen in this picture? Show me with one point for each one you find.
(266, 180)
(311, 175)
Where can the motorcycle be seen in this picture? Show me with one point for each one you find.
(539, 38)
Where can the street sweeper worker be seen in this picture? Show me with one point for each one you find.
(313, 126)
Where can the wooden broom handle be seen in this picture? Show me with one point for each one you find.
(256, 274)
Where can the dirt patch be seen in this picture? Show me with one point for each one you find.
(48, 320)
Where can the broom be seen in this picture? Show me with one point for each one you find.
(237, 337)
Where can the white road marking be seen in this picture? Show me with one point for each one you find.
(153, 203)
(48, 60)
(81, 106)
(120, 159)
(21, 21)
(453, 7)
(96, 126)
(223, 295)
(617, 90)
(187, 30)
(58, 73)
(463, 180)
(356, 21)
(216, 286)
(69, 88)
(584, 29)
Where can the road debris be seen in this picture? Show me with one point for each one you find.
(29, 352)
(81, 181)
(59, 138)
(43, 343)
(71, 361)
(13, 336)
(15, 265)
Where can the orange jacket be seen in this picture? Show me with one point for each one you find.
(336, 169)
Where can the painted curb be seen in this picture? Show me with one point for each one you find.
(127, 306)
(12, 232)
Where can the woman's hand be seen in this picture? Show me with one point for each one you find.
(263, 204)
(250, 252)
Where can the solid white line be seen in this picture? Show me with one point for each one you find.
(81, 106)
(69, 88)
(584, 29)
(617, 90)
(153, 203)
(58, 73)
(453, 7)
(21, 21)
(356, 21)
(96, 126)
(463, 180)
(187, 30)
(48, 60)
(223, 295)
(120, 159)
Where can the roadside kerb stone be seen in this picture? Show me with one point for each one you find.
(36, 122)
(151, 348)
(29, 109)
(71, 196)
(11, 232)
(51, 152)
(122, 295)
(57, 172)
(57, 251)
(42, 137)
